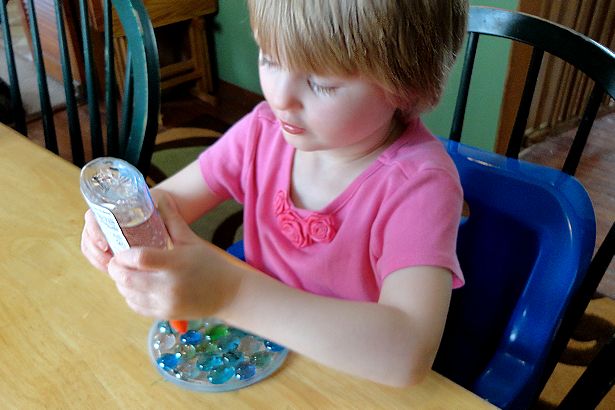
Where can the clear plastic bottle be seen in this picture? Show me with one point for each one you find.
(120, 199)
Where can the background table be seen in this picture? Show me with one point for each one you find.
(68, 340)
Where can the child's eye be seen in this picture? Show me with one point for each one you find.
(321, 89)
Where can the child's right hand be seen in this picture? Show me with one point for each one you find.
(94, 246)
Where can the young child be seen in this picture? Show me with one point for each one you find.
(351, 206)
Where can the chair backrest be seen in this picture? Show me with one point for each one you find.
(130, 115)
(523, 248)
(527, 244)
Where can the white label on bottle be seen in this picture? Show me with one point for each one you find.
(108, 224)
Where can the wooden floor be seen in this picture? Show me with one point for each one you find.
(596, 171)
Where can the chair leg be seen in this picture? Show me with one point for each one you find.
(595, 382)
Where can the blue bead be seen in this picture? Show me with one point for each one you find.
(233, 358)
(164, 327)
(274, 347)
(191, 337)
(245, 371)
(207, 361)
(168, 361)
(228, 343)
(221, 375)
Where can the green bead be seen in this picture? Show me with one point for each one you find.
(206, 347)
(217, 332)
(261, 359)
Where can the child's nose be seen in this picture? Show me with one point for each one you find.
(285, 95)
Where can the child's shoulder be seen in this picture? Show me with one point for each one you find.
(258, 122)
(262, 112)
(416, 150)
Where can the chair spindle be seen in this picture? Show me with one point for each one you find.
(90, 83)
(110, 85)
(127, 101)
(51, 142)
(580, 139)
(74, 128)
(464, 87)
(17, 111)
(516, 137)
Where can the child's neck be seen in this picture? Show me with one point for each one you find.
(318, 177)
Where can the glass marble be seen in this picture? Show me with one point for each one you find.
(228, 343)
(217, 332)
(168, 361)
(191, 337)
(186, 352)
(164, 327)
(221, 375)
(233, 358)
(164, 342)
(245, 371)
(274, 347)
(207, 362)
(261, 359)
(187, 370)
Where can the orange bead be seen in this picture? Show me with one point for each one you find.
(180, 326)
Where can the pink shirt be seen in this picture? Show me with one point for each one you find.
(402, 211)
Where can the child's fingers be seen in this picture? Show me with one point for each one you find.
(98, 258)
(93, 243)
(176, 226)
(93, 231)
(142, 259)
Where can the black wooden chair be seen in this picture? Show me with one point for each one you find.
(130, 115)
(501, 384)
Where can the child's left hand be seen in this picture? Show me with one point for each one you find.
(194, 279)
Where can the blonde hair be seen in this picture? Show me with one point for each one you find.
(406, 46)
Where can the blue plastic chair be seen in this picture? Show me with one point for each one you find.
(524, 247)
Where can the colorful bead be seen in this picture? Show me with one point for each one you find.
(207, 362)
(186, 352)
(245, 371)
(233, 358)
(168, 361)
(221, 375)
(228, 343)
(261, 359)
(217, 332)
(274, 347)
(164, 342)
(191, 337)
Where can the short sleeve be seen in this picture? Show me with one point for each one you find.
(418, 225)
(224, 164)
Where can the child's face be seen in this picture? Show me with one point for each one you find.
(346, 114)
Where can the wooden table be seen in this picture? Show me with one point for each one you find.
(68, 340)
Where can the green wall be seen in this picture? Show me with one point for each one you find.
(237, 54)
(236, 51)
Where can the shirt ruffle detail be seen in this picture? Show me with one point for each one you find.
(302, 232)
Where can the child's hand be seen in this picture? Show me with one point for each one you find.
(192, 280)
(94, 246)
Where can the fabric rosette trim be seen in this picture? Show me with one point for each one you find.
(302, 232)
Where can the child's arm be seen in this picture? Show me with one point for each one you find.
(393, 341)
(189, 191)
